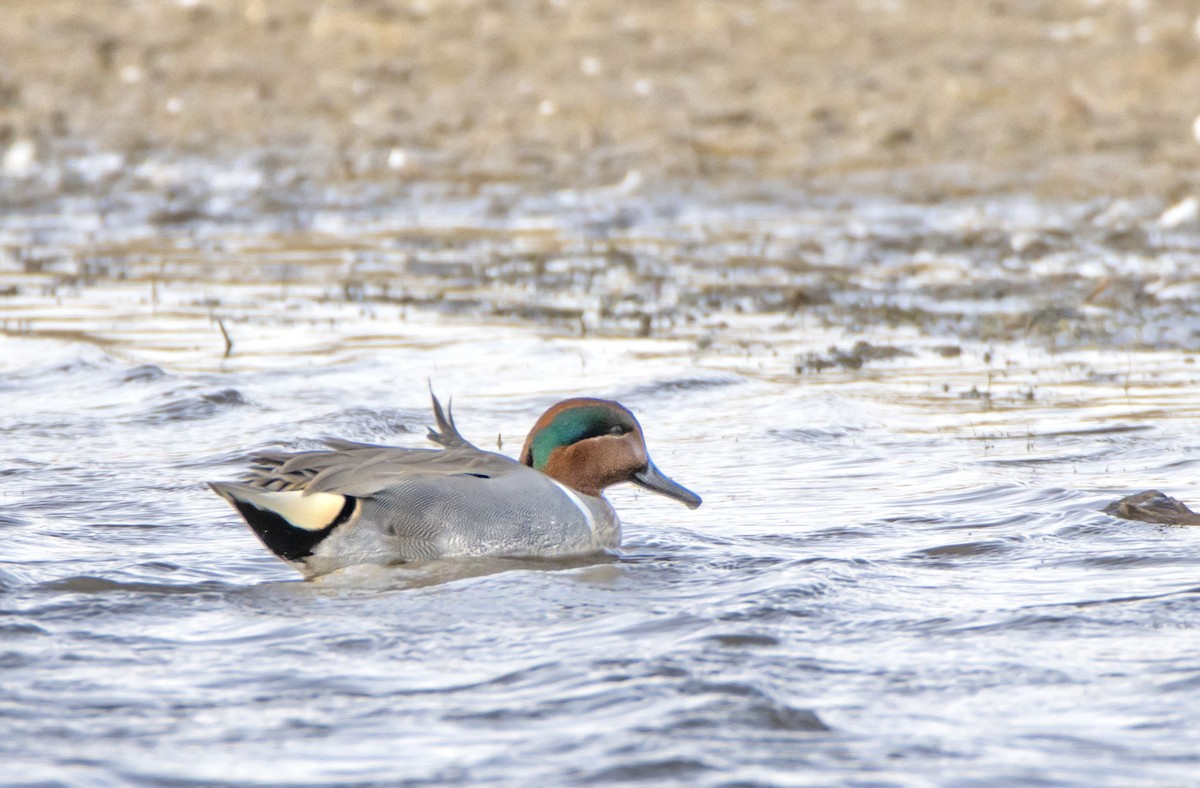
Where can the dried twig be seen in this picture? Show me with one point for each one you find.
(224, 333)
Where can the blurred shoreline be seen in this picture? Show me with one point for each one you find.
(922, 101)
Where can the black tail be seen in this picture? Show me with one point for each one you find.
(281, 537)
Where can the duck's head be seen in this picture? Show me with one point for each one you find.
(588, 444)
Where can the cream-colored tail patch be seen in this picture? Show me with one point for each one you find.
(312, 512)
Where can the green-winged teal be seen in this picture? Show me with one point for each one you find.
(358, 503)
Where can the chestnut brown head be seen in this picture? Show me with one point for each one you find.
(589, 444)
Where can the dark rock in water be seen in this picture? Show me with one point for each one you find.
(1153, 506)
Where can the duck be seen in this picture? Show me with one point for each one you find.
(361, 503)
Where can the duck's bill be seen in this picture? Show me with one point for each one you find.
(653, 480)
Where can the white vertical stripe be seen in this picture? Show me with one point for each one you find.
(583, 507)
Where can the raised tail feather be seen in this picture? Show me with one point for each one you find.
(445, 433)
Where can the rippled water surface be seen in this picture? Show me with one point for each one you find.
(900, 575)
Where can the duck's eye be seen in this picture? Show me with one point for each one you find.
(617, 429)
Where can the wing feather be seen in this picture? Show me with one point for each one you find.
(363, 469)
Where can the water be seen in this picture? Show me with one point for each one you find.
(900, 574)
